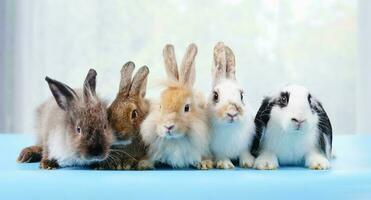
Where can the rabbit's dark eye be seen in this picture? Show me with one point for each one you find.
(186, 108)
(284, 99)
(78, 129)
(134, 114)
(215, 97)
(241, 94)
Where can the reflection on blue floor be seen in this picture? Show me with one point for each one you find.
(349, 178)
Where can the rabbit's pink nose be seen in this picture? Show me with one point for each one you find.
(298, 121)
(232, 115)
(169, 128)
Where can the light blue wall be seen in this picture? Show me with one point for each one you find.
(276, 42)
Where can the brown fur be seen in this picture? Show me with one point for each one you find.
(49, 164)
(231, 63)
(171, 65)
(224, 63)
(173, 99)
(179, 91)
(185, 142)
(120, 117)
(187, 75)
(187, 71)
(30, 154)
(61, 117)
(220, 62)
(229, 108)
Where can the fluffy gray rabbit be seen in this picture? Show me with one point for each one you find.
(73, 129)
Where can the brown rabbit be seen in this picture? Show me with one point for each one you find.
(125, 115)
(72, 129)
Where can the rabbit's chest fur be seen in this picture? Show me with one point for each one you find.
(60, 149)
(290, 148)
(230, 140)
(178, 152)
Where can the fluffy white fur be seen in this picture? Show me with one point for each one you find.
(182, 151)
(58, 142)
(230, 140)
(283, 144)
(60, 149)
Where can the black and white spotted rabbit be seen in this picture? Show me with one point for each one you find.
(292, 128)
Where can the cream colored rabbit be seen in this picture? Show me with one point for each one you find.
(176, 129)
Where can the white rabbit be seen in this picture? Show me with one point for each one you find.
(292, 128)
(176, 130)
(231, 120)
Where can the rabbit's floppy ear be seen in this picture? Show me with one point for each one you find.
(63, 94)
(139, 85)
(220, 62)
(261, 120)
(126, 73)
(170, 62)
(231, 64)
(90, 85)
(187, 71)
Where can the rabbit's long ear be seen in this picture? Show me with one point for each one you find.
(126, 73)
(139, 84)
(220, 62)
(231, 64)
(90, 85)
(170, 62)
(187, 71)
(63, 94)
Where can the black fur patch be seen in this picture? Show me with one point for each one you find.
(284, 99)
(324, 124)
(261, 121)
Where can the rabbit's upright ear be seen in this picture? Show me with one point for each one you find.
(231, 64)
(220, 63)
(126, 74)
(63, 94)
(139, 85)
(187, 71)
(170, 62)
(90, 85)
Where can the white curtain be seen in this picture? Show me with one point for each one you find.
(311, 42)
(363, 103)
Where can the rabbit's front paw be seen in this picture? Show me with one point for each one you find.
(49, 164)
(317, 162)
(128, 164)
(205, 164)
(224, 164)
(145, 165)
(30, 154)
(264, 162)
(247, 161)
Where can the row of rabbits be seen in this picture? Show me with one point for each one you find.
(181, 129)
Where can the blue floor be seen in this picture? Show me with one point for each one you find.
(349, 178)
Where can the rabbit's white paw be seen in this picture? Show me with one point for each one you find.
(224, 164)
(205, 164)
(317, 162)
(266, 162)
(247, 160)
